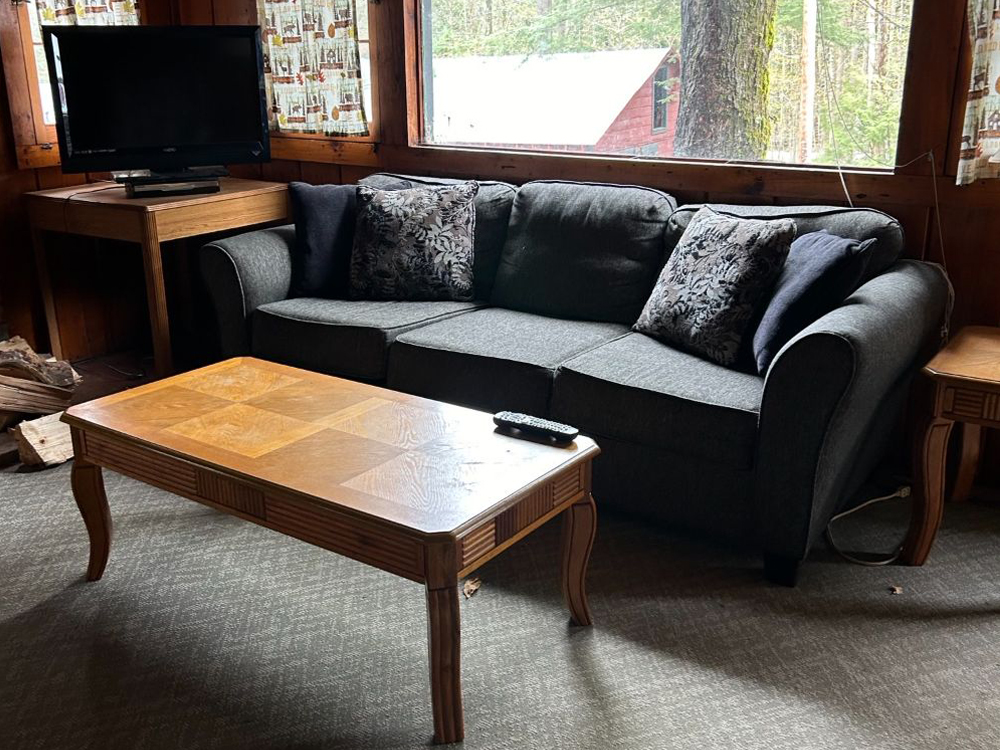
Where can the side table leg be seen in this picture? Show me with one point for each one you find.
(88, 491)
(579, 529)
(45, 282)
(929, 461)
(972, 442)
(156, 293)
(444, 645)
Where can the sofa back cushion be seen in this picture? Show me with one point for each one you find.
(493, 205)
(852, 223)
(582, 250)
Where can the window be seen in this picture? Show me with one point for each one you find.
(26, 70)
(317, 66)
(785, 81)
(70, 13)
(661, 97)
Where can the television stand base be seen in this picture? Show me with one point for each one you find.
(155, 190)
(195, 181)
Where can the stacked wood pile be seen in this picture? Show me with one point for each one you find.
(31, 385)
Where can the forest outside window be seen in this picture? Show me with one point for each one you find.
(784, 81)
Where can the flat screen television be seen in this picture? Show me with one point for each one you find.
(162, 98)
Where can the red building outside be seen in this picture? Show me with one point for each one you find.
(616, 102)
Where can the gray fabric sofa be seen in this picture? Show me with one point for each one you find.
(562, 271)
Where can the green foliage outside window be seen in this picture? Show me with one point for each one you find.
(856, 84)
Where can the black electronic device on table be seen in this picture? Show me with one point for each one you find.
(158, 104)
(535, 426)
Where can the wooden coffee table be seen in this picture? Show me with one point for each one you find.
(418, 488)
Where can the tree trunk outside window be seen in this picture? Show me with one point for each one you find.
(725, 46)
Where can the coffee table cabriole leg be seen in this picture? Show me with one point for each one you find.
(88, 491)
(444, 642)
(578, 531)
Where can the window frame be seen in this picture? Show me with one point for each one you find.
(37, 144)
(664, 102)
(352, 149)
(929, 80)
(937, 69)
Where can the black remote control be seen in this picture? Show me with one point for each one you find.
(561, 433)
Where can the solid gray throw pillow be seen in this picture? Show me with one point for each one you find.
(414, 244)
(706, 294)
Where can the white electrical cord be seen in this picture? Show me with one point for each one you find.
(872, 561)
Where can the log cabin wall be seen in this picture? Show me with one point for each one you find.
(937, 77)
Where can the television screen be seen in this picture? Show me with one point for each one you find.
(158, 97)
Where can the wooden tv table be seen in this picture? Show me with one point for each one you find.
(418, 488)
(101, 210)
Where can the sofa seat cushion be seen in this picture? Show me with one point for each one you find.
(340, 337)
(492, 359)
(639, 390)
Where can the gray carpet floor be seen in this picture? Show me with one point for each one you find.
(208, 632)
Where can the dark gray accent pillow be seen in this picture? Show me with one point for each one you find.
(821, 270)
(493, 203)
(717, 275)
(584, 251)
(324, 235)
(414, 244)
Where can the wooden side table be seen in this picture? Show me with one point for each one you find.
(964, 382)
(102, 210)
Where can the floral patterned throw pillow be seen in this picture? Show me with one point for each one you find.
(414, 244)
(722, 268)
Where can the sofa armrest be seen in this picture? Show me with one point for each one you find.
(822, 399)
(242, 273)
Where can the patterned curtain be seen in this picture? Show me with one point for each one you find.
(72, 13)
(313, 67)
(87, 12)
(980, 155)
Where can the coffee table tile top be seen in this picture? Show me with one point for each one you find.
(422, 464)
(175, 404)
(244, 429)
(396, 424)
(309, 401)
(236, 383)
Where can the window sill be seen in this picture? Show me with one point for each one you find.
(693, 181)
(355, 152)
(663, 162)
(38, 156)
(323, 149)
